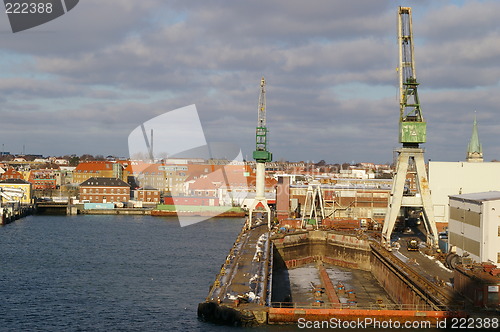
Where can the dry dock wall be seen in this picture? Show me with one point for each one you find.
(302, 248)
(401, 283)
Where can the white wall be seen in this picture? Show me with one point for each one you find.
(491, 239)
(455, 178)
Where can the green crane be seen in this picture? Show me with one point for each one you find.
(412, 132)
(412, 126)
(261, 155)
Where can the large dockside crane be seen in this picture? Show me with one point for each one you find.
(412, 132)
(261, 156)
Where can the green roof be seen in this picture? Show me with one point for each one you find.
(474, 144)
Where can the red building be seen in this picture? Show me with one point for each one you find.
(104, 190)
(11, 174)
(147, 195)
(43, 179)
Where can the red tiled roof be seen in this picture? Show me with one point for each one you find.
(94, 166)
(11, 174)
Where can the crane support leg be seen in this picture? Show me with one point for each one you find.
(397, 200)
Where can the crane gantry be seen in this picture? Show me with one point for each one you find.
(412, 132)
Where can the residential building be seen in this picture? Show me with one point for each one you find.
(96, 169)
(44, 179)
(147, 195)
(11, 173)
(104, 190)
(146, 175)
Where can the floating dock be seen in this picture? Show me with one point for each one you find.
(272, 278)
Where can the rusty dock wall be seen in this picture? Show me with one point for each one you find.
(338, 249)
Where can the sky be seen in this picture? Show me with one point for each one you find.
(84, 81)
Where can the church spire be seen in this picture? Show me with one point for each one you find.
(474, 150)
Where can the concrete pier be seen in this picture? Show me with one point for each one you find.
(241, 291)
(11, 212)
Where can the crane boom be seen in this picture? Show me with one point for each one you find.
(412, 124)
(261, 155)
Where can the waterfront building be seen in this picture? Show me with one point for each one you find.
(104, 190)
(16, 190)
(147, 195)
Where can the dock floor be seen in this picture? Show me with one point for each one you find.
(298, 286)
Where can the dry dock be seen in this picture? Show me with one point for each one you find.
(272, 278)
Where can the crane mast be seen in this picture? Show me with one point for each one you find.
(412, 129)
(261, 155)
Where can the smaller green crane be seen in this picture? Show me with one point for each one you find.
(261, 155)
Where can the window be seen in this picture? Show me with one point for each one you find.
(498, 257)
(498, 230)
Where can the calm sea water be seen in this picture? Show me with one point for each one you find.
(109, 273)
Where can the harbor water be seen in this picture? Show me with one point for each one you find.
(110, 273)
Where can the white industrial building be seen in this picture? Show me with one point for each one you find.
(455, 178)
(474, 226)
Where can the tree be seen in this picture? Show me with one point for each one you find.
(74, 160)
(321, 163)
(87, 157)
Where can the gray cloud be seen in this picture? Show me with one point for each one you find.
(96, 73)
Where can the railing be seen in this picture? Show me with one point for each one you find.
(374, 306)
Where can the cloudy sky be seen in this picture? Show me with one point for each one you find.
(83, 82)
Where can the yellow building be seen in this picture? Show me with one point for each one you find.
(16, 190)
(96, 169)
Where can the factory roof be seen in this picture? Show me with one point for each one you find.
(478, 197)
